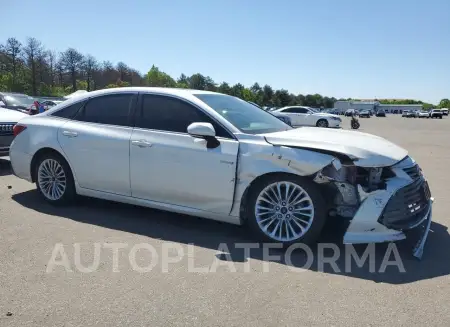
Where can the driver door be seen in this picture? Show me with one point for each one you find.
(170, 166)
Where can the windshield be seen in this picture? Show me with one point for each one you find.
(243, 115)
(19, 100)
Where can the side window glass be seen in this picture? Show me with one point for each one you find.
(69, 111)
(173, 115)
(293, 110)
(302, 110)
(110, 109)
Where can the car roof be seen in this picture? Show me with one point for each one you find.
(164, 90)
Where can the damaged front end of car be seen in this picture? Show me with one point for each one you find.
(383, 203)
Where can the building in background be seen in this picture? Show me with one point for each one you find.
(375, 106)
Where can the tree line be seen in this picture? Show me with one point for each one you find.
(32, 69)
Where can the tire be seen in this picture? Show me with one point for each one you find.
(322, 123)
(440, 117)
(316, 220)
(55, 165)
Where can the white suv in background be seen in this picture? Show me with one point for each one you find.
(306, 116)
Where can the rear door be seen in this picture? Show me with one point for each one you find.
(97, 143)
(294, 113)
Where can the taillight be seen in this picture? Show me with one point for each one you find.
(17, 129)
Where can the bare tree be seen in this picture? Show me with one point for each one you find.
(90, 65)
(60, 70)
(123, 69)
(32, 52)
(42, 66)
(13, 49)
(52, 61)
(72, 62)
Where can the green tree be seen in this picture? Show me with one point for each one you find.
(197, 82)
(444, 103)
(224, 88)
(155, 77)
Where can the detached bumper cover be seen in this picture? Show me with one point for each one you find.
(390, 214)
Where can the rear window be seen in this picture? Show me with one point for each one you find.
(70, 111)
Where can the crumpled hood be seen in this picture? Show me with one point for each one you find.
(371, 150)
(11, 116)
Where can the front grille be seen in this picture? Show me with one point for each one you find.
(407, 206)
(6, 128)
(413, 172)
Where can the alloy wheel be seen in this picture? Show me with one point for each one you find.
(284, 211)
(52, 179)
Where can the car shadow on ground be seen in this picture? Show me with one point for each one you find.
(210, 234)
(5, 167)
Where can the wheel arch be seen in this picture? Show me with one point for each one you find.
(41, 152)
(322, 118)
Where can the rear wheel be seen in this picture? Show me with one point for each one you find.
(54, 179)
(322, 123)
(285, 209)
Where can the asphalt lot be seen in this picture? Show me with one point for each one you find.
(272, 293)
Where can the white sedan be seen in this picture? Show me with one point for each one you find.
(219, 157)
(305, 116)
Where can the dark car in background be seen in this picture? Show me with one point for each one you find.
(364, 114)
(380, 113)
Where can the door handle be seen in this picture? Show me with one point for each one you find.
(70, 134)
(141, 143)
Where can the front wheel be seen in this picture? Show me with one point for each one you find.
(322, 123)
(54, 179)
(286, 209)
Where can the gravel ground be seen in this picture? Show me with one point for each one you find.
(245, 290)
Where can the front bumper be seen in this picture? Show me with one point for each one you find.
(334, 123)
(390, 214)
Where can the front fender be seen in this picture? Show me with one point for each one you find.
(256, 160)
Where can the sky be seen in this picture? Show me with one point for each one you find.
(341, 48)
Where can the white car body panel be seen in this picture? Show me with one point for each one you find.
(10, 115)
(257, 158)
(178, 169)
(108, 150)
(370, 150)
(177, 172)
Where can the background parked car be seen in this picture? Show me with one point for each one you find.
(424, 114)
(436, 113)
(50, 103)
(350, 112)
(8, 118)
(410, 114)
(444, 111)
(16, 101)
(380, 113)
(284, 118)
(306, 116)
(364, 114)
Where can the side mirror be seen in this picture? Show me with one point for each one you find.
(201, 129)
(206, 131)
